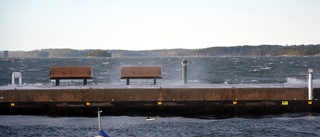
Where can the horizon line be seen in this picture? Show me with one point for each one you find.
(172, 48)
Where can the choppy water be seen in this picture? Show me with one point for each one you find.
(286, 125)
(203, 70)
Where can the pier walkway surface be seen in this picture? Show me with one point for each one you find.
(180, 99)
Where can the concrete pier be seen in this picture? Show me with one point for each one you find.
(159, 101)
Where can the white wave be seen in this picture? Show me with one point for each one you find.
(105, 73)
(194, 81)
(266, 68)
(255, 70)
(105, 63)
(295, 81)
(316, 81)
(34, 69)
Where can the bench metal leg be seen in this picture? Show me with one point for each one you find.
(84, 81)
(57, 82)
(128, 83)
(154, 81)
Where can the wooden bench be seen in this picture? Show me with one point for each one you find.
(70, 72)
(141, 72)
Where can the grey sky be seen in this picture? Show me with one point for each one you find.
(151, 24)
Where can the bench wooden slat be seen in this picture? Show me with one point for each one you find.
(141, 72)
(140, 77)
(70, 72)
(71, 77)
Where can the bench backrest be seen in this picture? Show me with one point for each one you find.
(70, 72)
(141, 72)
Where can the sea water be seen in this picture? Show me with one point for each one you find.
(286, 125)
(201, 70)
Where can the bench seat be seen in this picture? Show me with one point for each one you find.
(70, 72)
(140, 72)
(71, 76)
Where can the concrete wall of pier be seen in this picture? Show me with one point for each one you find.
(154, 94)
(158, 101)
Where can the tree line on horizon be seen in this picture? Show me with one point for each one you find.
(246, 50)
(59, 53)
(261, 50)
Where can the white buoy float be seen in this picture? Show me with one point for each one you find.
(100, 133)
(149, 119)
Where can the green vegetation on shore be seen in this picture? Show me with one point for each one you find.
(261, 50)
(58, 53)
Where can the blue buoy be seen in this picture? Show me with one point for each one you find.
(101, 133)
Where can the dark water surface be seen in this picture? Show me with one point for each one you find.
(287, 125)
(203, 70)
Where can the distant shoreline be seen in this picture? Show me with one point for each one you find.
(261, 50)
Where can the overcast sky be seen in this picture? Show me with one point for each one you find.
(156, 24)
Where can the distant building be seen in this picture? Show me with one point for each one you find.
(5, 57)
